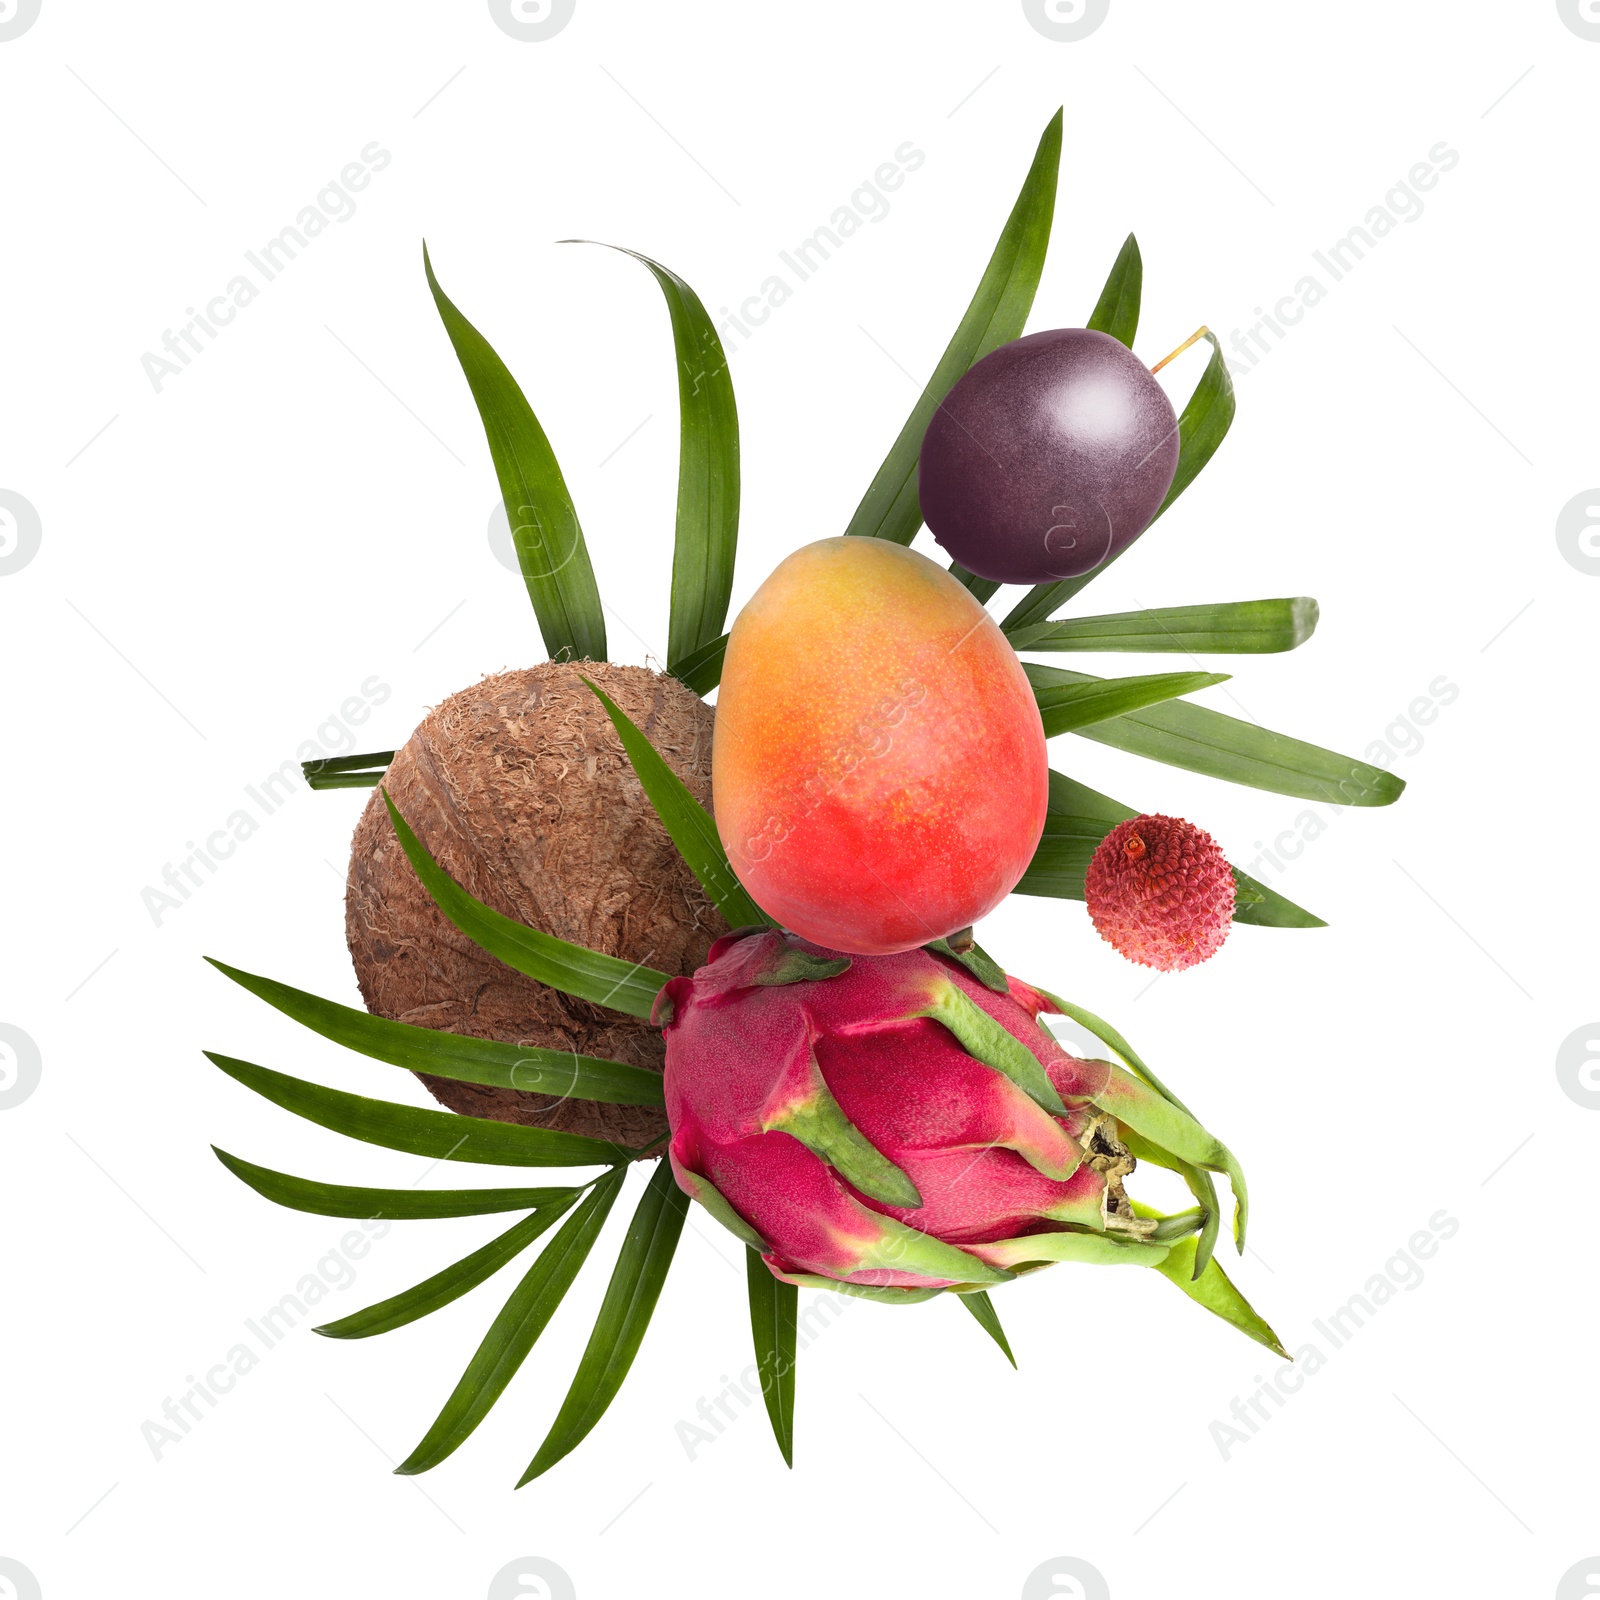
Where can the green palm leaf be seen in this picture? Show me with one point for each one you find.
(456, 1055)
(977, 1301)
(439, 1135)
(687, 821)
(513, 1332)
(625, 1312)
(602, 980)
(347, 772)
(980, 588)
(708, 471)
(1117, 310)
(1200, 740)
(400, 1205)
(701, 670)
(443, 1287)
(1067, 707)
(1241, 627)
(1202, 425)
(544, 525)
(774, 1306)
(995, 316)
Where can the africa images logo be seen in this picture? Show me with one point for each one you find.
(16, 17)
(1578, 532)
(20, 532)
(1066, 21)
(1582, 16)
(532, 21)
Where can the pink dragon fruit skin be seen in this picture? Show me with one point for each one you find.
(894, 1125)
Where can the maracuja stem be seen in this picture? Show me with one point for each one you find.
(1198, 334)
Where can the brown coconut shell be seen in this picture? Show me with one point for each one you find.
(522, 792)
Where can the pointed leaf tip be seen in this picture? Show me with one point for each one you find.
(625, 1312)
(987, 1318)
(774, 1306)
(449, 1285)
(995, 315)
(438, 1135)
(1117, 311)
(1198, 739)
(1075, 702)
(458, 1056)
(516, 1328)
(545, 529)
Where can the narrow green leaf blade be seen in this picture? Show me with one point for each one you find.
(602, 980)
(514, 1331)
(774, 1308)
(630, 1300)
(982, 1308)
(1200, 740)
(544, 525)
(398, 1205)
(687, 821)
(1241, 627)
(347, 780)
(1079, 818)
(347, 772)
(1069, 798)
(708, 471)
(455, 1055)
(327, 764)
(1069, 702)
(981, 589)
(1203, 424)
(1117, 310)
(701, 671)
(1062, 858)
(424, 1298)
(995, 316)
(1201, 429)
(1261, 907)
(439, 1135)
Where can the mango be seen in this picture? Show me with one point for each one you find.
(879, 773)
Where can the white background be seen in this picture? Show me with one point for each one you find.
(305, 507)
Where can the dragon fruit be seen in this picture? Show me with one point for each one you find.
(898, 1126)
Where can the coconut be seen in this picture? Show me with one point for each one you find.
(522, 792)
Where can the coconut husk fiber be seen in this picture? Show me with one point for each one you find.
(522, 792)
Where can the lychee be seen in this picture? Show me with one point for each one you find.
(1160, 891)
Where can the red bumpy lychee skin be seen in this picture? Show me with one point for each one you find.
(1160, 891)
